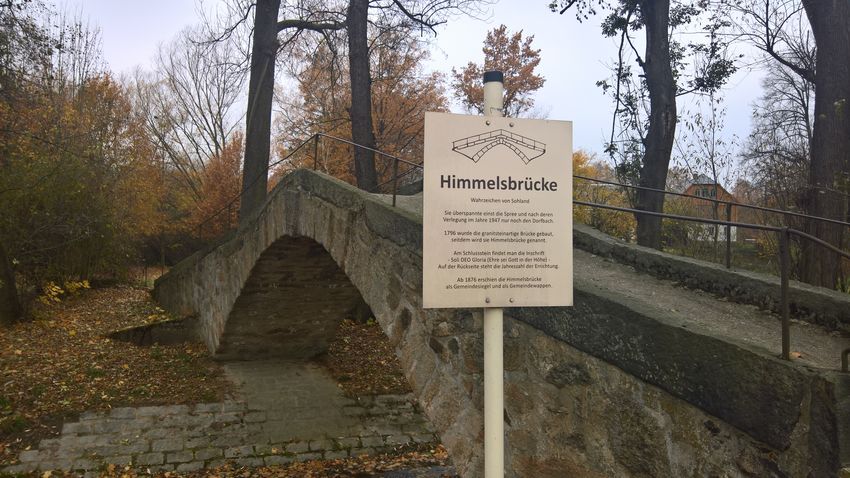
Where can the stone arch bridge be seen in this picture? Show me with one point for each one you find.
(665, 366)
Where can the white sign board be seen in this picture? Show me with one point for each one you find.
(497, 219)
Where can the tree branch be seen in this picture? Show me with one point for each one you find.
(308, 25)
(567, 7)
(416, 18)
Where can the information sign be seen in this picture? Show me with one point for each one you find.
(497, 219)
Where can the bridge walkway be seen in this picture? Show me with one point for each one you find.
(696, 310)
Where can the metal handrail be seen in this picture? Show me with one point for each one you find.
(719, 222)
(784, 259)
(717, 201)
(413, 166)
(783, 232)
(352, 143)
(314, 138)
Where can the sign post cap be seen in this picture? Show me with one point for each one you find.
(494, 75)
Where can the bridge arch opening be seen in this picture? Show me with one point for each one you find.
(276, 345)
(291, 305)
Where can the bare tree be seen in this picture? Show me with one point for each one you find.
(778, 27)
(360, 78)
(777, 150)
(355, 18)
(650, 147)
(830, 171)
(188, 103)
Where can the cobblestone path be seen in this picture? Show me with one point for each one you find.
(285, 411)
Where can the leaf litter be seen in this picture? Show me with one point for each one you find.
(63, 363)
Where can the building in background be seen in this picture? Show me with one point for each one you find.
(703, 186)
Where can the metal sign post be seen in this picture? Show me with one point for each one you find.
(496, 228)
(494, 393)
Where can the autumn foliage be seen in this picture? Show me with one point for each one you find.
(221, 182)
(87, 185)
(615, 223)
(401, 94)
(514, 56)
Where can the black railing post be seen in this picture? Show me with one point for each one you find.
(785, 271)
(728, 236)
(316, 152)
(395, 179)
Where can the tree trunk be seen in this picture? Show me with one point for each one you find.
(658, 143)
(10, 305)
(259, 116)
(830, 162)
(361, 95)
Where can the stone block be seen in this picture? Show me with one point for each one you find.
(227, 417)
(28, 456)
(354, 411)
(179, 457)
(155, 458)
(371, 441)
(150, 411)
(191, 466)
(234, 407)
(159, 468)
(174, 410)
(123, 413)
(239, 451)
(278, 460)
(398, 440)
(249, 462)
(424, 438)
(77, 428)
(208, 408)
(198, 442)
(20, 468)
(118, 460)
(308, 456)
(363, 451)
(133, 447)
(227, 440)
(254, 417)
(56, 465)
(261, 450)
(49, 444)
(158, 433)
(348, 442)
(208, 453)
(203, 420)
(323, 444)
(90, 416)
(335, 454)
(103, 427)
(298, 447)
(167, 444)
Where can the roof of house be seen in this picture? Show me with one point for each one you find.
(703, 179)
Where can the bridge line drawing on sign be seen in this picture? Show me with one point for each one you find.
(475, 147)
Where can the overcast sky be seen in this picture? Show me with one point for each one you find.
(574, 55)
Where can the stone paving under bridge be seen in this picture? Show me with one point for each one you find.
(286, 411)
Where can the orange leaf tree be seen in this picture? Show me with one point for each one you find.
(401, 94)
(514, 56)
